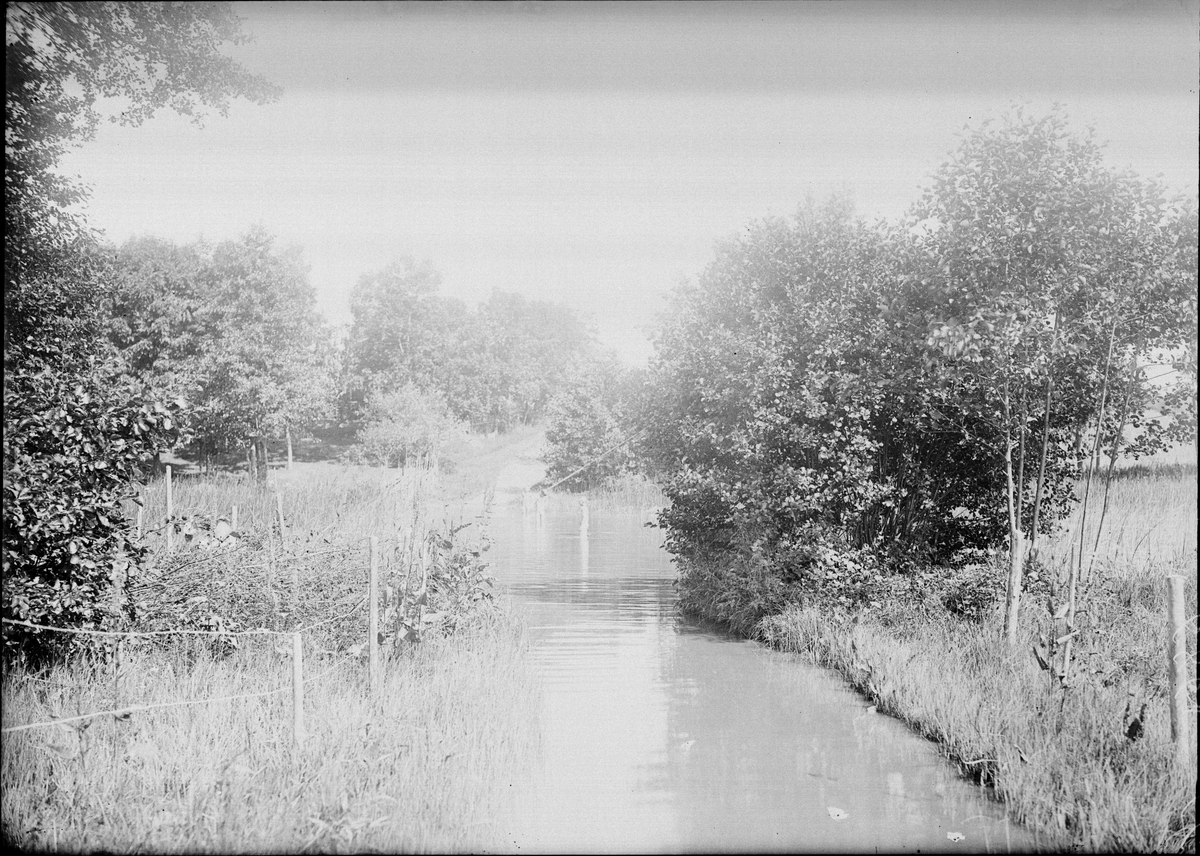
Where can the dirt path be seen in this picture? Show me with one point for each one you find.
(523, 472)
(507, 465)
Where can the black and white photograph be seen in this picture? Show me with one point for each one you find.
(582, 426)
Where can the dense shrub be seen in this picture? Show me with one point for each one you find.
(406, 425)
(589, 427)
(827, 387)
(73, 444)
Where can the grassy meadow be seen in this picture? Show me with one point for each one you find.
(1089, 765)
(418, 764)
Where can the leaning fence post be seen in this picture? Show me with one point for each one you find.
(282, 528)
(268, 579)
(297, 689)
(1177, 670)
(373, 615)
(170, 513)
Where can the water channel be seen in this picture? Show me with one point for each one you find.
(659, 735)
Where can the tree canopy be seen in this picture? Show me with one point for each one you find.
(497, 366)
(932, 386)
(232, 329)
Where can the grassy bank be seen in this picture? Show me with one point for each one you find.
(1089, 765)
(417, 766)
(420, 764)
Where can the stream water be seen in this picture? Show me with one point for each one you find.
(659, 735)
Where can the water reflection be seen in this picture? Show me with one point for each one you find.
(662, 735)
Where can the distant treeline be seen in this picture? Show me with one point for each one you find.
(231, 330)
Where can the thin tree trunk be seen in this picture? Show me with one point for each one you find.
(1013, 602)
(1112, 461)
(1041, 479)
(1021, 457)
(1116, 448)
(1076, 567)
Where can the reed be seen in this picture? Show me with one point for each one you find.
(627, 493)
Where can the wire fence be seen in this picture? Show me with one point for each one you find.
(183, 566)
(296, 685)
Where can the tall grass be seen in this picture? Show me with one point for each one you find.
(627, 493)
(318, 500)
(1060, 760)
(1149, 529)
(418, 765)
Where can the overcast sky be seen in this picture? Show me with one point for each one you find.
(592, 153)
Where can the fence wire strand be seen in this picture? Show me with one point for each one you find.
(120, 711)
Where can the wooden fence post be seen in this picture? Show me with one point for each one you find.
(170, 513)
(373, 615)
(268, 578)
(279, 514)
(297, 690)
(1177, 661)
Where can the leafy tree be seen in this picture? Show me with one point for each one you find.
(403, 331)
(591, 425)
(1043, 280)
(762, 389)
(148, 314)
(75, 433)
(72, 446)
(407, 425)
(232, 328)
(60, 58)
(920, 389)
(513, 356)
